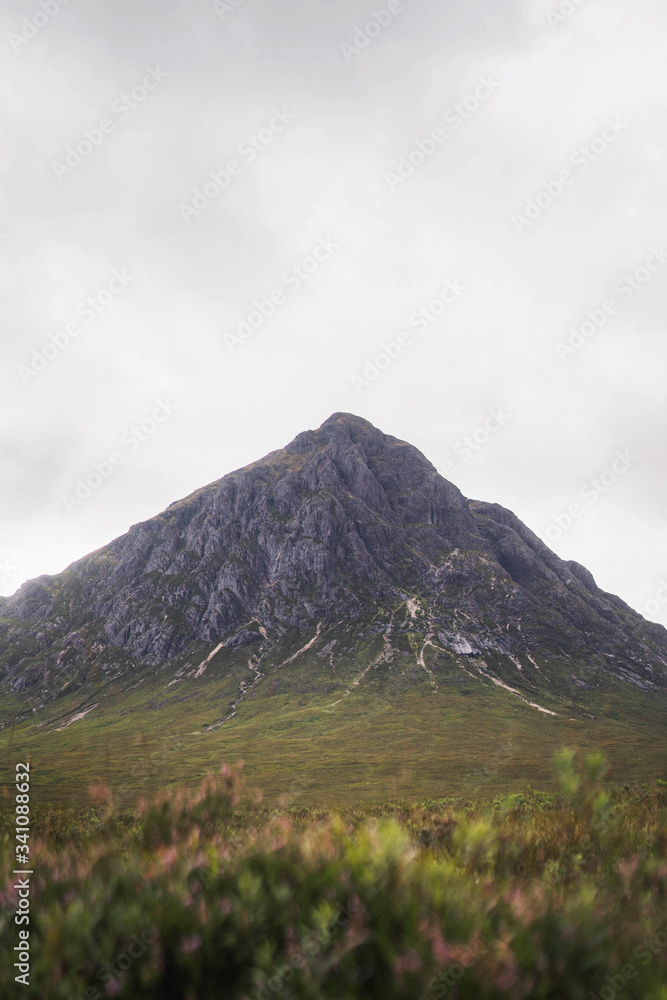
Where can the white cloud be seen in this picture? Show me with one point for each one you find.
(326, 175)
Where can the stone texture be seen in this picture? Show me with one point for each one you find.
(341, 521)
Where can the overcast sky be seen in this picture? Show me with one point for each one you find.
(375, 165)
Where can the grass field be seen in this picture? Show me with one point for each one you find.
(306, 731)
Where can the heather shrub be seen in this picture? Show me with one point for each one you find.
(207, 893)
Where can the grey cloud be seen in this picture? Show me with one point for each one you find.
(326, 174)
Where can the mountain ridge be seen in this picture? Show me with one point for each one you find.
(342, 518)
(336, 610)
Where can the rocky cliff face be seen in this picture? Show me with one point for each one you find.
(345, 523)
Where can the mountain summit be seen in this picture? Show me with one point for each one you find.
(345, 539)
(343, 520)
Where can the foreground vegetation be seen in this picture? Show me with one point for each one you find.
(208, 893)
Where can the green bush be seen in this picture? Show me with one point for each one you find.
(205, 893)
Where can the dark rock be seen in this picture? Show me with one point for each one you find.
(243, 639)
(344, 521)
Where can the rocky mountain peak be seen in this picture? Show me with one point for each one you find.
(344, 523)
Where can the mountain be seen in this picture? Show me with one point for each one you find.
(340, 568)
